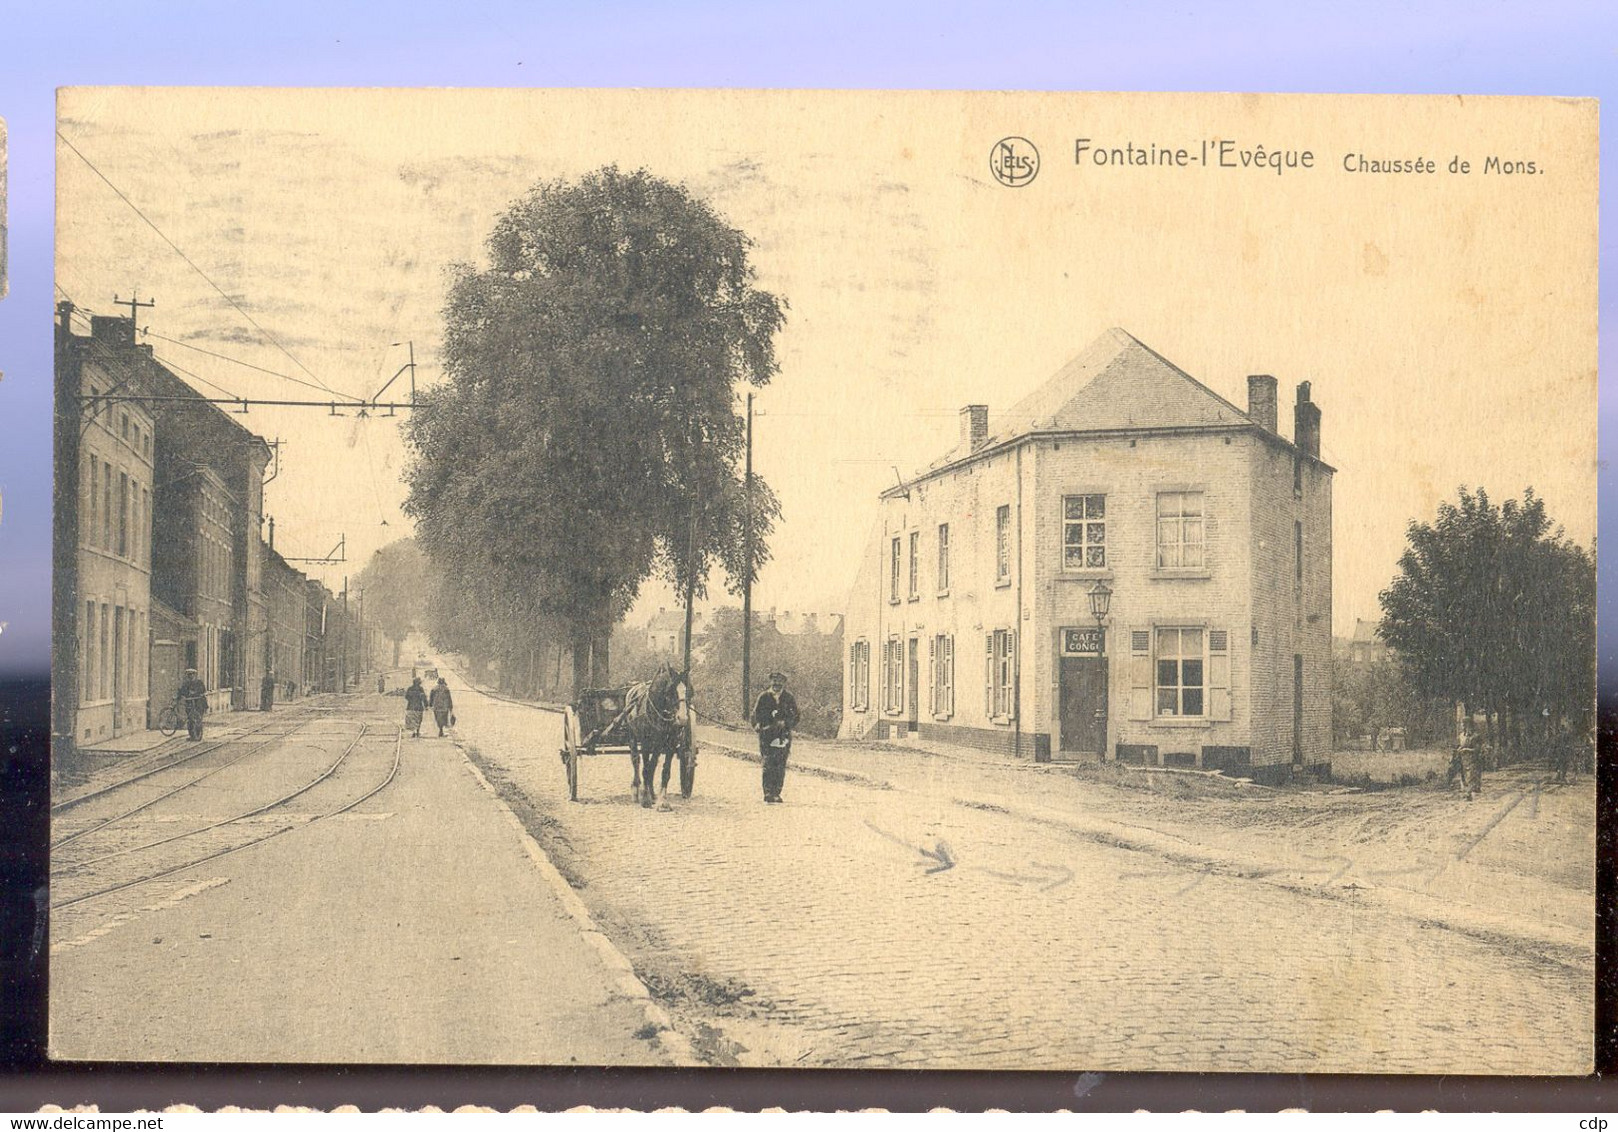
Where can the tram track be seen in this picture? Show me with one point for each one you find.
(206, 749)
(149, 877)
(271, 741)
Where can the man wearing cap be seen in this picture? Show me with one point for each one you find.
(774, 716)
(192, 699)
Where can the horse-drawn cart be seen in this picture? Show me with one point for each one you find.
(597, 723)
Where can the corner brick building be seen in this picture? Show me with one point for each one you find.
(971, 620)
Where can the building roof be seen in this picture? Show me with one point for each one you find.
(1117, 383)
(1365, 630)
(666, 620)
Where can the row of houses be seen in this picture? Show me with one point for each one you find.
(161, 562)
(1126, 566)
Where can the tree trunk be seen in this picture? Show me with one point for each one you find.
(581, 663)
(600, 656)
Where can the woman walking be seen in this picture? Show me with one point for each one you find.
(442, 705)
(415, 704)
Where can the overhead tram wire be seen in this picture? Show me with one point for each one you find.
(237, 361)
(268, 337)
(198, 377)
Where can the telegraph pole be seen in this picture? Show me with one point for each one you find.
(747, 570)
(690, 588)
(342, 668)
(134, 304)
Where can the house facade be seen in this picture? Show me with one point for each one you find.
(972, 620)
(112, 527)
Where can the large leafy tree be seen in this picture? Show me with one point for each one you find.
(395, 584)
(1495, 609)
(588, 434)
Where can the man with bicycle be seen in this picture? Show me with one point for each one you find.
(192, 702)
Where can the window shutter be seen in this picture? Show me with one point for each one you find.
(1218, 674)
(853, 668)
(949, 675)
(1140, 674)
(932, 668)
(988, 675)
(1013, 706)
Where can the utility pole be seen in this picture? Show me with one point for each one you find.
(747, 571)
(342, 668)
(134, 304)
(690, 588)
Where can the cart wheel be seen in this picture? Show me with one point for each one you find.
(688, 764)
(570, 752)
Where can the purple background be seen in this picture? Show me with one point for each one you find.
(1456, 47)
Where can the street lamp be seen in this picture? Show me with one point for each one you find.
(1100, 602)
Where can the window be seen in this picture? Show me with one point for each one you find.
(942, 648)
(87, 669)
(123, 426)
(1000, 663)
(893, 675)
(1297, 558)
(103, 658)
(893, 573)
(92, 517)
(915, 565)
(1179, 529)
(1297, 477)
(943, 558)
(1002, 543)
(106, 506)
(859, 676)
(1179, 672)
(123, 513)
(1084, 532)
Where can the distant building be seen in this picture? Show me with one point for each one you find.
(286, 593)
(1365, 647)
(665, 632)
(970, 621)
(159, 561)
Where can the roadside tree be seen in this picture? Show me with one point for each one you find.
(1494, 610)
(588, 435)
(395, 583)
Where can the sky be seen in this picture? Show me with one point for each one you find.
(1445, 322)
(1439, 48)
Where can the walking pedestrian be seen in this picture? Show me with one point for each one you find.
(442, 704)
(192, 701)
(415, 704)
(1470, 755)
(774, 716)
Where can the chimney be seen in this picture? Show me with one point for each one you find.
(1261, 400)
(974, 427)
(1306, 434)
(112, 329)
(272, 532)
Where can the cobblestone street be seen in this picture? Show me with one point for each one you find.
(888, 924)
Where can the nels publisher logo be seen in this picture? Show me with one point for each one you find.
(1014, 162)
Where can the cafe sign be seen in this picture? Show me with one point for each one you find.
(1081, 642)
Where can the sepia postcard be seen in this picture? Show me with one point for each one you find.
(818, 579)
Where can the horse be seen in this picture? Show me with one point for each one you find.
(656, 715)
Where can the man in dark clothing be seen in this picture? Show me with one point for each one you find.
(774, 716)
(192, 700)
(442, 705)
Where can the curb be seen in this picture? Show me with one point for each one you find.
(815, 769)
(624, 980)
(1561, 946)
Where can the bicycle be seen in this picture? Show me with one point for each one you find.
(169, 721)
